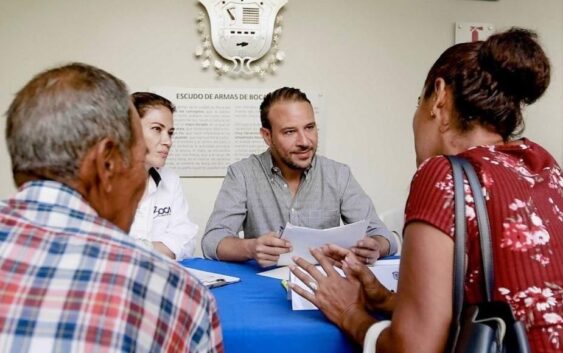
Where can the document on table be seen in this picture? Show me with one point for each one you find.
(303, 238)
(281, 273)
(386, 270)
(211, 279)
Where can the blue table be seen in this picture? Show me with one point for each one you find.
(256, 316)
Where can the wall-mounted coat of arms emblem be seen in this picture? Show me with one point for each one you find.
(242, 32)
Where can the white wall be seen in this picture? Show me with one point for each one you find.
(369, 58)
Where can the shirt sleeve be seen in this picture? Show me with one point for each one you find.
(357, 205)
(180, 234)
(212, 339)
(228, 213)
(195, 313)
(431, 196)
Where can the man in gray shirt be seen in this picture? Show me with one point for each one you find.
(288, 183)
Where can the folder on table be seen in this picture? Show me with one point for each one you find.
(212, 279)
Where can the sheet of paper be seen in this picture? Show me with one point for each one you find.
(278, 273)
(211, 279)
(303, 238)
(386, 271)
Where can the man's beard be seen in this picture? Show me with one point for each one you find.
(288, 162)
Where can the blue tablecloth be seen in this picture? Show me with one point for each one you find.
(256, 316)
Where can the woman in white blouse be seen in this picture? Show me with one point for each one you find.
(161, 220)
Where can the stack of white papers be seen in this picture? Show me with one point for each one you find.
(211, 279)
(386, 271)
(303, 238)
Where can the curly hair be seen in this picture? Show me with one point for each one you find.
(492, 80)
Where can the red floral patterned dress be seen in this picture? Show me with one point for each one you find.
(523, 188)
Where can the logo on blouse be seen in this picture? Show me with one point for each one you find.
(161, 211)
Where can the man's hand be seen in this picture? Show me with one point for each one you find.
(268, 248)
(371, 248)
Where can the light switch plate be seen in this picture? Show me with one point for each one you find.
(472, 31)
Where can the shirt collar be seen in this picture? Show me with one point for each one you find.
(155, 175)
(53, 204)
(312, 166)
(56, 194)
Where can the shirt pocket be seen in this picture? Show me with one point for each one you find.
(321, 219)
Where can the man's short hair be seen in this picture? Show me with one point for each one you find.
(63, 112)
(284, 94)
(144, 101)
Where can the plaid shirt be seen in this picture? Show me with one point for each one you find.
(71, 281)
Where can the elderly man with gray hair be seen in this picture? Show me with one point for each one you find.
(71, 280)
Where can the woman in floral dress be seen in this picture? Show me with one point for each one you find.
(470, 106)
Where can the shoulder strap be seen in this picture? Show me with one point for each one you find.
(459, 245)
(484, 228)
(460, 167)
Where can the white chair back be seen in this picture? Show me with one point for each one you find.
(394, 219)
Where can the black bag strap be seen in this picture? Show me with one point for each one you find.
(484, 228)
(459, 245)
(460, 167)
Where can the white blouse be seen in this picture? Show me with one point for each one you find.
(162, 215)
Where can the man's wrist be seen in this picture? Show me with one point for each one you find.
(384, 245)
(250, 248)
(233, 248)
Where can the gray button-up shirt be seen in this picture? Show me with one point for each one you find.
(256, 198)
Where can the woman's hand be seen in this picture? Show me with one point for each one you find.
(334, 295)
(377, 297)
(341, 299)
